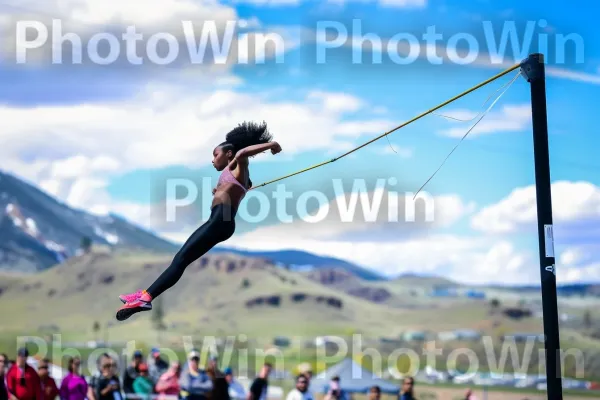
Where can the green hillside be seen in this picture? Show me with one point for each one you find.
(231, 294)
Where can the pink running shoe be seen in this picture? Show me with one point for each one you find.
(128, 298)
(128, 309)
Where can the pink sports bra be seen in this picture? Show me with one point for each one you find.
(227, 177)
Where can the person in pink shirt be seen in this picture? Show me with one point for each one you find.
(168, 383)
(74, 385)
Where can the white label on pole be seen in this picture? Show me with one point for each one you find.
(551, 269)
(549, 240)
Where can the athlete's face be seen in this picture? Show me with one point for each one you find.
(220, 158)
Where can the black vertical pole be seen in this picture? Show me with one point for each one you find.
(534, 71)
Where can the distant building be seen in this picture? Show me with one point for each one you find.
(474, 294)
(415, 336)
(524, 337)
(447, 336)
(281, 341)
(441, 291)
(464, 335)
(391, 341)
(468, 335)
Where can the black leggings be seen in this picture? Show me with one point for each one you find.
(218, 228)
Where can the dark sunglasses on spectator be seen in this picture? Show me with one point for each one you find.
(43, 367)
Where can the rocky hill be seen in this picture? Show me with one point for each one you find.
(343, 280)
(297, 260)
(38, 231)
(218, 293)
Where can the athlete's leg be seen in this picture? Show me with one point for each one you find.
(217, 229)
(198, 244)
(202, 240)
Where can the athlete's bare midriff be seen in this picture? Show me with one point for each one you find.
(228, 193)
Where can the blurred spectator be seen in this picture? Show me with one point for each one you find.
(300, 392)
(49, 389)
(168, 383)
(260, 386)
(236, 390)
(156, 365)
(22, 381)
(220, 390)
(308, 374)
(195, 384)
(92, 387)
(3, 369)
(375, 393)
(407, 390)
(220, 385)
(108, 386)
(131, 372)
(335, 391)
(143, 386)
(74, 385)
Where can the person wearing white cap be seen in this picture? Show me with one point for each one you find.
(195, 383)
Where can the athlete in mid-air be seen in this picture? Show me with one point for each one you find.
(231, 157)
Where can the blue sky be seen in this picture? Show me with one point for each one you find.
(107, 138)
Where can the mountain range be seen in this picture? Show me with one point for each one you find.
(38, 232)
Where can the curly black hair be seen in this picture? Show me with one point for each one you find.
(246, 134)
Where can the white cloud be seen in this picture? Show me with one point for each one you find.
(575, 208)
(403, 3)
(465, 259)
(513, 118)
(163, 125)
(269, 3)
(371, 213)
(155, 13)
(468, 259)
(409, 247)
(386, 3)
(579, 264)
(156, 128)
(357, 128)
(336, 102)
(200, 30)
(439, 55)
(404, 152)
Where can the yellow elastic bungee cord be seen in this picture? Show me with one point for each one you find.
(431, 110)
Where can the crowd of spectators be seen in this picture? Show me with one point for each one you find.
(154, 379)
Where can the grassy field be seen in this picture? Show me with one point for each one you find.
(211, 300)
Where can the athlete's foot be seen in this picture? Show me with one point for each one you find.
(127, 298)
(133, 307)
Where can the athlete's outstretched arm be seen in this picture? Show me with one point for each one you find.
(250, 151)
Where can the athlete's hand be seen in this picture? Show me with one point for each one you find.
(276, 148)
